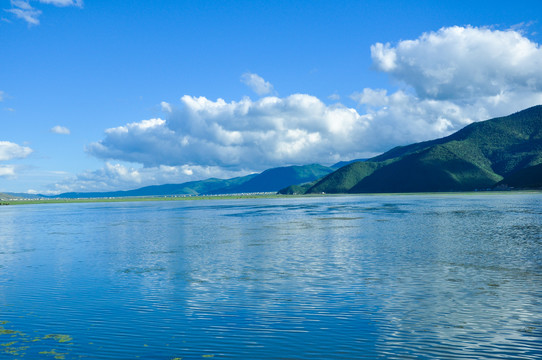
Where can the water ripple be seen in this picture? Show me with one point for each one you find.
(395, 277)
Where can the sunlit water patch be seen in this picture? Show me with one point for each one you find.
(398, 277)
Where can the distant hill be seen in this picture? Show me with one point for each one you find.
(501, 151)
(273, 180)
(268, 181)
(4, 196)
(13, 196)
(187, 188)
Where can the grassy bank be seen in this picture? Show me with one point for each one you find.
(132, 199)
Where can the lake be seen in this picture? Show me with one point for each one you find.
(334, 277)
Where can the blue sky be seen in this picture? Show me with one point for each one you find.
(106, 95)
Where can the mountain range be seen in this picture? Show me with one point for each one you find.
(270, 180)
(500, 153)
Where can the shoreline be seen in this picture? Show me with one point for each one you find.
(247, 196)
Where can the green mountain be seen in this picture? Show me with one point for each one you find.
(480, 156)
(268, 181)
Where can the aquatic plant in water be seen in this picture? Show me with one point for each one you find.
(17, 346)
(53, 352)
(59, 337)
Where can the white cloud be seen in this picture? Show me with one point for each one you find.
(9, 151)
(371, 97)
(463, 63)
(1, 95)
(7, 170)
(63, 3)
(239, 135)
(451, 78)
(23, 10)
(383, 57)
(60, 130)
(257, 84)
(166, 107)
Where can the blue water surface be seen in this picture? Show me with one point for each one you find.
(391, 277)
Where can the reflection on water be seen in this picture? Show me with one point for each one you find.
(418, 277)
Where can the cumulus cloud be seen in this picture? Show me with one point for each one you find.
(10, 151)
(247, 134)
(449, 79)
(463, 63)
(371, 97)
(257, 84)
(23, 10)
(62, 130)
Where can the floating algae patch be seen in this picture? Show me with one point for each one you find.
(14, 344)
(53, 352)
(8, 347)
(4, 331)
(15, 351)
(58, 337)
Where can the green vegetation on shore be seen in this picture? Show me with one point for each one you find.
(134, 199)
